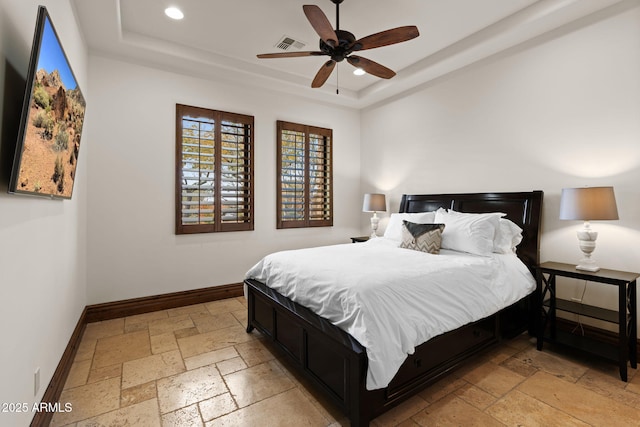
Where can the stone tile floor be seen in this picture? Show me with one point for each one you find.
(196, 366)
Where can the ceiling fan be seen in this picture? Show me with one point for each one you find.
(340, 44)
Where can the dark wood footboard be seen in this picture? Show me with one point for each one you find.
(337, 364)
(330, 358)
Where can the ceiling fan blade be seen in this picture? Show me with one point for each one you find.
(385, 38)
(321, 24)
(323, 73)
(371, 67)
(289, 54)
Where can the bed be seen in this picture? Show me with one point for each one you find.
(337, 364)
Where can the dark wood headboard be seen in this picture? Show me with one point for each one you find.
(524, 209)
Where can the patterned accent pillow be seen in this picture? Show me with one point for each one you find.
(422, 237)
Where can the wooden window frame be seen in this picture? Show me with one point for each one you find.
(306, 221)
(218, 225)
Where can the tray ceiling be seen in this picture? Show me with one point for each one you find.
(220, 39)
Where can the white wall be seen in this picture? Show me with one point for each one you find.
(42, 242)
(562, 111)
(132, 248)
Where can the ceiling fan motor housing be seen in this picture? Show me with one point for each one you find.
(344, 47)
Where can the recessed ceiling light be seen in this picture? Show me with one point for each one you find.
(174, 13)
(359, 72)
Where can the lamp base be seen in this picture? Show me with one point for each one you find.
(587, 264)
(587, 239)
(374, 225)
(591, 268)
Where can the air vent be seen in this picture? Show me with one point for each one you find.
(289, 43)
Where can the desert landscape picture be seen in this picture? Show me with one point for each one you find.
(53, 127)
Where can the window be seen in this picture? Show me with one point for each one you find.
(305, 183)
(214, 171)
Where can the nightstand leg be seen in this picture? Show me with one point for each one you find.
(623, 344)
(633, 333)
(539, 310)
(552, 305)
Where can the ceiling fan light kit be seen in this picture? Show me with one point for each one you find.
(340, 44)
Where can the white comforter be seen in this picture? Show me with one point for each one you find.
(392, 299)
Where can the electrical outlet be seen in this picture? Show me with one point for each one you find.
(36, 382)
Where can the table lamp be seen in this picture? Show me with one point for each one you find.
(588, 204)
(374, 203)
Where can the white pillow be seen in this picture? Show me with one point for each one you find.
(467, 232)
(394, 226)
(508, 236)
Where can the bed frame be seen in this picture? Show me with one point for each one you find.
(336, 363)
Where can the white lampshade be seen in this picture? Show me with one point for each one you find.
(374, 202)
(588, 204)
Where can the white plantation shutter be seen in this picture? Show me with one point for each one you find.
(304, 185)
(214, 168)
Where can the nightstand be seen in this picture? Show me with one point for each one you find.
(625, 316)
(359, 239)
